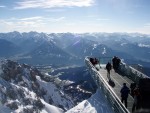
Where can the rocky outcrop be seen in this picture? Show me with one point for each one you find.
(25, 87)
(19, 86)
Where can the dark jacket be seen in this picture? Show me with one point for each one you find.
(124, 92)
(108, 66)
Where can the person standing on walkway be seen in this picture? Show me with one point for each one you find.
(114, 62)
(137, 100)
(124, 94)
(132, 88)
(108, 68)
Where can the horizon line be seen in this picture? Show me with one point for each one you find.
(79, 32)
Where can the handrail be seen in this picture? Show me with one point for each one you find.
(139, 73)
(131, 72)
(111, 96)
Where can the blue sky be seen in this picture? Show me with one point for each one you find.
(76, 16)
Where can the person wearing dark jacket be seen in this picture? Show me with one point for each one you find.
(114, 62)
(124, 94)
(108, 68)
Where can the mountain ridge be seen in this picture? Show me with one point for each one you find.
(133, 48)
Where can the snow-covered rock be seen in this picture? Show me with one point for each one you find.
(25, 89)
(96, 104)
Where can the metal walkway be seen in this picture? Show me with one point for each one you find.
(118, 81)
(111, 89)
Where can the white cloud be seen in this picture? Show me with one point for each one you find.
(53, 3)
(147, 25)
(31, 18)
(20, 24)
(56, 19)
(28, 24)
(38, 18)
(2, 6)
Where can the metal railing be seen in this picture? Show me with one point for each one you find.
(125, 69)
(112, 98)
(131, 72)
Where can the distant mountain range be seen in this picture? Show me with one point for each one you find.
(70, 49)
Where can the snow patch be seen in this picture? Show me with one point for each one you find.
(50, 108)
(123, 44)
(104, 51)
(94, 46)
(143, 45)
(96, 104)
(76, 42)
(57, 96)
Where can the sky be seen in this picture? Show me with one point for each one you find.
(76, 16)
